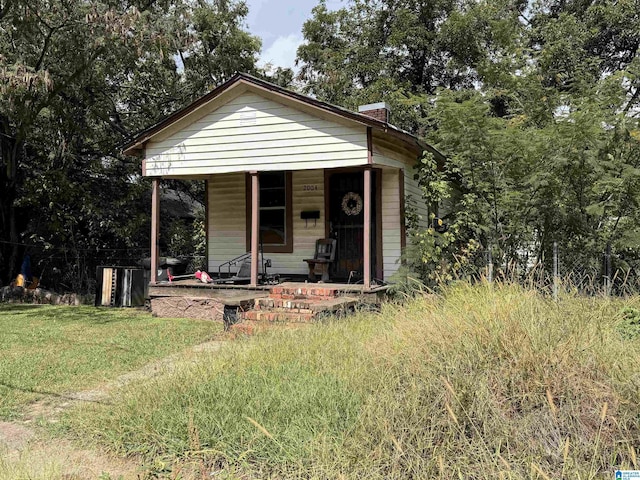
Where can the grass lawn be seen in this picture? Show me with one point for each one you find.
(49, 350)
(484, 382)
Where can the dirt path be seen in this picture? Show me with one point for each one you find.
(29, 455)
(24, 452)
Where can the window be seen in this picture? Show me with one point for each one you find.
(273, 209)
(275, 212)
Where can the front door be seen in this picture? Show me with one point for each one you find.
(346, 223)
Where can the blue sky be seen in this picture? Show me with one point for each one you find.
(279, 24)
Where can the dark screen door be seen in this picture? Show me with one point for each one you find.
(346, 223)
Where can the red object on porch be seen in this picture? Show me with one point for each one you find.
(204, 277)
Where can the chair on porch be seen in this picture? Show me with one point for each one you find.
(324, 256)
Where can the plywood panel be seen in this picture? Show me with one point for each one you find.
(107, 286)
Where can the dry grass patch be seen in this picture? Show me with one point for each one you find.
(482, 382)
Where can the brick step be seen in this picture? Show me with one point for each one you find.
(306, 305)
(283, 310)
(298, 292)
(248, 327)
(270, 302)
(277, 317)
(285, 296)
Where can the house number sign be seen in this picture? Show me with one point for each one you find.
(309, 188)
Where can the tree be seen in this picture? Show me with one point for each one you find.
(401, 51)
(535, 105)
(552, 138)
(78, 79)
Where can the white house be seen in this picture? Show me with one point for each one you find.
(284, 170)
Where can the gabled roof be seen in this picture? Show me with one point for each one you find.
(413, 142)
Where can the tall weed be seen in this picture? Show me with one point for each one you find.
(485, 381)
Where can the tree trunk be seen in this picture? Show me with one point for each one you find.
(9, 240)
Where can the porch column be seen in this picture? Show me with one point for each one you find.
(367, 228)
(255, 227)
(155, 227)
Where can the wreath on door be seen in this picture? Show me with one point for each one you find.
(352, 203)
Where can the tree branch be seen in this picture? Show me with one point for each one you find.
(632, 100)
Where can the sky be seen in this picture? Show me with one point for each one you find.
(279, 24)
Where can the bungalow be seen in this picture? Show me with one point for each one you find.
(283, 170)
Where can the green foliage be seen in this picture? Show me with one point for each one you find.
(405, 284)
(523, 186)
(534, 105)
(279, 410)
(276, 400)
(78, 79)
(629, 325)
(396, 50)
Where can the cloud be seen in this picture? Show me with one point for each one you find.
(282, 52)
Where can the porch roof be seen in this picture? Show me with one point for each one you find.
(381, 128)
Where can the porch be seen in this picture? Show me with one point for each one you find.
(288, 302)
(296, 209)
(282, 171)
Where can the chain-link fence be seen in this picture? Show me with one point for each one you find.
(604, 272)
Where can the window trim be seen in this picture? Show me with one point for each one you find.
(288, 246)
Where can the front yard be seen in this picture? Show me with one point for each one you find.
(46, 351)
(483, 381)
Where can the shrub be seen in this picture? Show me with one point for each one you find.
(629, 325)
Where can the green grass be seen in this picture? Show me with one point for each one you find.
(483, 382)
(49, 350)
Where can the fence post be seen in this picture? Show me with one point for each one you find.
(490, 259)
(556, 278)
(607, 270)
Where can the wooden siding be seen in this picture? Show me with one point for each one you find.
(227, 221)
(389, 159)
(391, 241)
(412, 191)
(251, 132)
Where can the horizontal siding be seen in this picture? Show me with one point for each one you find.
(380, 159)
(227, 218)
(305, 233)
(227, 221)
(391, 232)
(248, 147)
(412, 191)
(254, 133)
(188, 161)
